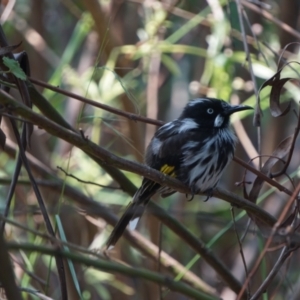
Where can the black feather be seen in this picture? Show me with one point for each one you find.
(134, 210)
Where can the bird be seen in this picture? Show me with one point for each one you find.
(195, 149)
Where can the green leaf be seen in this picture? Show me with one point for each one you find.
(14, 68)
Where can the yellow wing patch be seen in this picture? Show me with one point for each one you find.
(168, 170)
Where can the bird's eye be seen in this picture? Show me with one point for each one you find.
(210, 111)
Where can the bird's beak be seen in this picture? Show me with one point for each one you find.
(235, 108)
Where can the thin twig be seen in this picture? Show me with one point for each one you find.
(263, 176)
(11, 191)
(241, 246)
(88, 182)
(263, 287)
(287, 163)
(271, 17)
(249, 60)
(130, 116)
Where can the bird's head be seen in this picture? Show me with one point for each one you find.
(210, 113)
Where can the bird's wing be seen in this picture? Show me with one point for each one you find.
(171, 145)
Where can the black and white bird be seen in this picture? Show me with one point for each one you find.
(195, 149)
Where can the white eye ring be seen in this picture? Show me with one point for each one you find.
(210, 111)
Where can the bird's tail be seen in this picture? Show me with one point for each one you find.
(134, 211)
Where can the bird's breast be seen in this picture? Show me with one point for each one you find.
(204, 161)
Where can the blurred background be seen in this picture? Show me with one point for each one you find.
(148, 58)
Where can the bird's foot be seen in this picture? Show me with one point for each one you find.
(194, 191)
(209, 193)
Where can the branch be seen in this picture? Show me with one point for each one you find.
(94, 208)
(270, 17)
(263, 176)
(119, 112)
(141, 243)
(109, 159)
(112, 267)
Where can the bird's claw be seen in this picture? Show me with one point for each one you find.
(209, 194)
(194, 191)
(192, 197)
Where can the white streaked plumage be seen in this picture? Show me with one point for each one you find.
(156, 144)
(133, 223)
(202, 172)
(227, 135)
(190, 144)
(219, 121)
(187, 124)
(167, 126)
